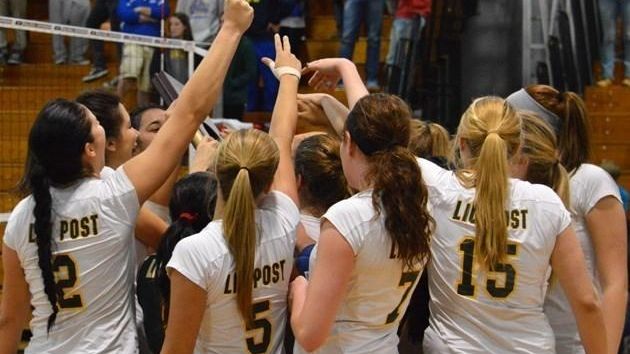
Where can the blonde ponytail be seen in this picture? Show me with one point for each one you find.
(246, 163)
(490, 201)
(491, 130)
(239, 226)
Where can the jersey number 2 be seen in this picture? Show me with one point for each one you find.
(259, 323)
(66, 280)
(466, 287)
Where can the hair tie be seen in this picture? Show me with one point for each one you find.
(493, 131)
(190, 217)
(244, 168)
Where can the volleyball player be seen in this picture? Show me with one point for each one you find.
(320, 179)
(494, 241)
(67, 247)
(372, 246)
(598, 216)
(233, 276)
(191, 208)
(537, 161)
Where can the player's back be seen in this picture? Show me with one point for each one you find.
(474, 310)
(92, 262)
(379, 288)
(206, 260)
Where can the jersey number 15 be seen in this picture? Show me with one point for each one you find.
(466, 287)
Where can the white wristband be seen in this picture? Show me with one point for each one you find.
(287, 70)
(284, 70)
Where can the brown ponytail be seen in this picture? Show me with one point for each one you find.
(246, 163)
(379, 125)
(491, 130)
(573, 137)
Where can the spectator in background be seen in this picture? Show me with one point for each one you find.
(139, 17)
(262, 92)
(609, 10)
(294, 27)
(371, 13)
(13, 8)
(102, 11)
(176, 60)
(402, 27)
(243, 70)
(73, 13)
(205, 18)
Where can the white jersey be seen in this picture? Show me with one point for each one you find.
(205, 260)
(142, 251)
(311, 226)
(92, 230)
(476, 311)
(378, 290)
(589, 185)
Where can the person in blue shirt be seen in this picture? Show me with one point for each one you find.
(141, 17)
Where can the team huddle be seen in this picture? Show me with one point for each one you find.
(315, 242)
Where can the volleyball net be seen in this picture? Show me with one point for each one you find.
(25, 88)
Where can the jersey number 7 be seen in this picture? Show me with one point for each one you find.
(406, 279)
(466, 287)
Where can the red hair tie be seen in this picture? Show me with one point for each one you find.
(190, 217)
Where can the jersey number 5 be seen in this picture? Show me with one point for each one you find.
(466, 287)
(66, 278)
(259, 323)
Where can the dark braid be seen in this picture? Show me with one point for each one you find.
(55, 148)
(43, 231)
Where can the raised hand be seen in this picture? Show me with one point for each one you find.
(286, 62)
(205, 155)
(326, 73)
(238, 14)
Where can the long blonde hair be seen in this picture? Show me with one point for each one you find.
(491, 130)
(246, 163)
(540, 147)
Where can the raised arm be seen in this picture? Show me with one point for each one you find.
(284, 117)
(328, 72)
(333, 117)
(568, 264)
(607, 226)
(149, 170)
